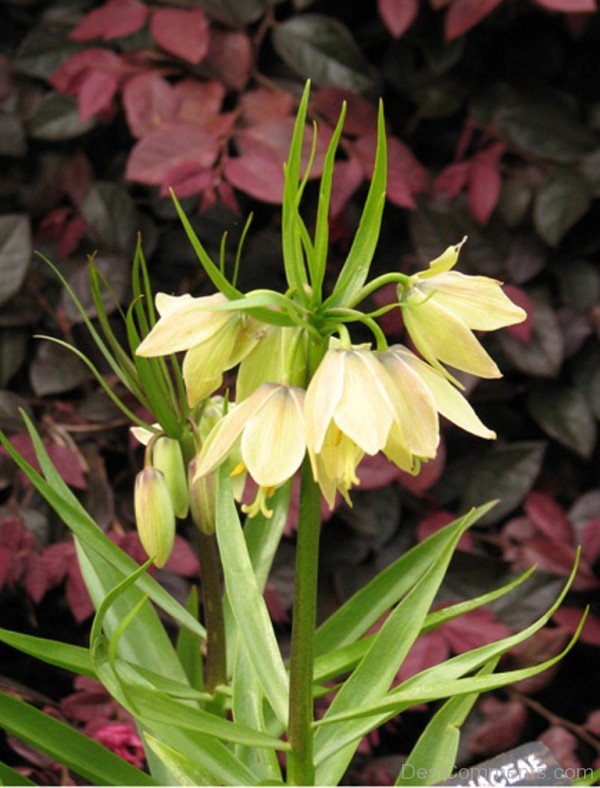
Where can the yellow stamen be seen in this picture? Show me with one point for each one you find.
(239, 469)
(259, 504)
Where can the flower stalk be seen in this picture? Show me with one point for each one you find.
(300, 768)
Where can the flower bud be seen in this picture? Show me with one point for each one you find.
(168, 458)
(203, 494)
(154, 514)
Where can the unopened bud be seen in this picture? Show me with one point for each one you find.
(203, 499)
(168, 458)
(154, 514)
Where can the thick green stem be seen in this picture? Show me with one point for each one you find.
(212, 603)
(300, 766)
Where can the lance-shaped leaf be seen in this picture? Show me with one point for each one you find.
(52, 652)
(67, 746)
(356, 268)
(247, 603)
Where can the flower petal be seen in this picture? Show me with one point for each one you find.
(274, 439)
(184, 325)
(204, 364)
(365, 411)
(322, 397)
(448, 401)
(439, 334)
(478, 301)
(226, 432)
(165, 302)
(417, 415)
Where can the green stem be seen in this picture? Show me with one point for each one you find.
(393, 277)
(215, 671)
(300, 766)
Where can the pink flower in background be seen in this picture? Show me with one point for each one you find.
(123, 742)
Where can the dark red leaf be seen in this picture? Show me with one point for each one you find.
(149, 101)
(429, 649)
(68, 463)
(549, 518)
(96, 93)
(406, 175)
(76, 593)
(347, 177)
(88, 703)
(36, 581)
(69, 75)
(156, 154)
(361, 115)
(521, 331)
(114, 19)
(273, 138)
(452, 179)
(503, 722)
(484, 190)
(428, 475)
(569, 618)
(593, 722)
(262, 106)
(276, 608)
(398, 15)
(473, 629)
(227, 196)
(6, 560)
(230, 57)
(76, 176)
(199, 101)
(123, 742)
(433, 522)
(71, 236)
(376, 472)
(187, 179)
(590, 541)
(550, 556)
(257, 173)
(569, 6)
(183, 560)
(541, 646)
(563, 745)
(465, 14)
(57, 558)
(184, 33)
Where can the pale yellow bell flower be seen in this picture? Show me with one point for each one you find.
(267, 431)
(278, 357)
(353, 407)
(406, 369)
(442, 308)
(214, 340)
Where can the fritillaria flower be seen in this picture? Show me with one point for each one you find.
(267, 432)
(441, 308)
(406, 369)
(214, 340)
(353, 407)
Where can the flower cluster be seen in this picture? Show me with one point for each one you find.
(353, 401)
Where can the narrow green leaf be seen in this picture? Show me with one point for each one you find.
(339, 661)
(212, 270)
(189, 645)
(67, 506)
(53, 652)
(435, 752)
(322, 223)
(142, 677)
(247, 708)
(295, 270)
(186, 770)
(10, 776)
(365, 607)
(589, 779)
(373, 676)
(401, 699)
(100, 378)
(247, 603)
(154, 706)
(67, 746)
(356, 268)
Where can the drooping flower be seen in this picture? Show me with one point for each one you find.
(214, 340)
(406, 369)
(354, 407)
(279, 357)
(268, 431)
(441, 308)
